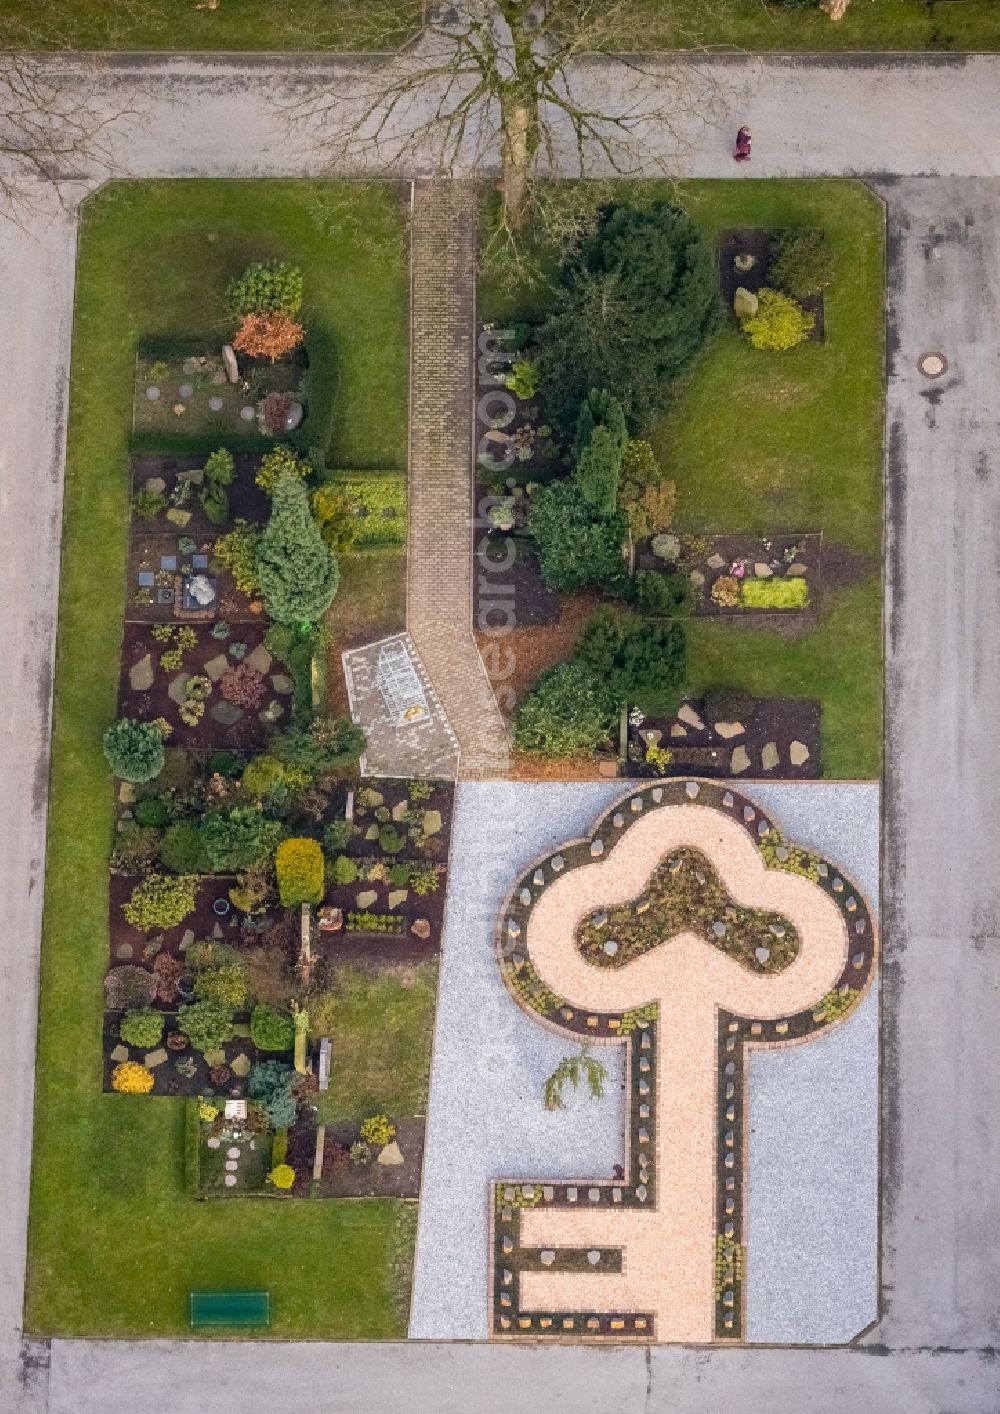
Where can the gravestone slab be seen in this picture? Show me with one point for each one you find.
(227, 714)
(141, 674)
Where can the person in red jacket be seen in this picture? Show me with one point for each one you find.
(742, 153)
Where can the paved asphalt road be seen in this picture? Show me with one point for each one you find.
(933, 1352)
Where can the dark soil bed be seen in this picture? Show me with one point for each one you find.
(214, 729)
(343, 1178)
(246, 499)
(164, 557)
(509, 591)
(762, 245)
(777, 721)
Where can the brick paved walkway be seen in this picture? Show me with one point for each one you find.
(439, 578)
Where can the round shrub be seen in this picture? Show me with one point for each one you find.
(220, 468)
(129, 988)
(152, 810)
(270, 335)
(299, 866)
(226, 985)
(243, 685)
(338, 835)
(271, 1030)
(207, 1024)
(264, 778)
(725, 591)
(563, 713)
(272, 1084)
(237, 551)
(390, 841)
(134, 750)
(345, 871)
(664, 595)
(131, 1078)
(803, 265)
(181, 849)
(276, 464)
(326, 744)
(134, 849)
(263, 286)
(282, 1176)
(161, 901)
(779, 323)
(236, 839)
(378, 1130)
(141, 1028)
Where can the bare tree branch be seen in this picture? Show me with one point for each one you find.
(56, 123)
(515, 84)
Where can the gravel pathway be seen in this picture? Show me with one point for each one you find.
(812, 1198)
(486, 1118)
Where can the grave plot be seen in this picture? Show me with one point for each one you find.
(168, 495)
(750, 578)
(180, 577)
(729, 734)
(385, 893)
(217, 686)
(191, 395)
(746, 261)
(393, 700)
(687, 930)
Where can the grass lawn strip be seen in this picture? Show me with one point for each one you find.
(316, 24)
(107, 1175)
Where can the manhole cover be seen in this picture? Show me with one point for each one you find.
(932, 365)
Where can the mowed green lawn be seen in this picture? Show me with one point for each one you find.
(344, 24)
(775, 442)
(769, 442)
(115, 1244)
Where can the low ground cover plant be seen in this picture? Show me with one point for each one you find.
(784, 593)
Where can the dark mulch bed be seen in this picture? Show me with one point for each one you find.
(182, 1072)
(374, 951)
(159, 603)
(128, 944)
(341, 1178)
(247, 733)
(710, 557)
(246, 499)
(843, 566)
(761, 244)
(509, 592)
(497, 422)
(704, 752)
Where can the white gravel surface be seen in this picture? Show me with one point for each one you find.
(812, 1205)
(814, 1178)
(486, 1119)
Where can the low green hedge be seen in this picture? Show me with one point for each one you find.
(192, 1149)
(774, 594)
(381, 498)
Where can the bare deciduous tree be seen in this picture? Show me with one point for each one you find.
(56, 120)
(518, 80)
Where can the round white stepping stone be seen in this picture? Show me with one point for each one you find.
(233, 1152)
(230, 1180)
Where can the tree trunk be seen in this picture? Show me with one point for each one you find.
(520, 140)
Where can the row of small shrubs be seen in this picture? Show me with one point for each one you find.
(375, 923)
